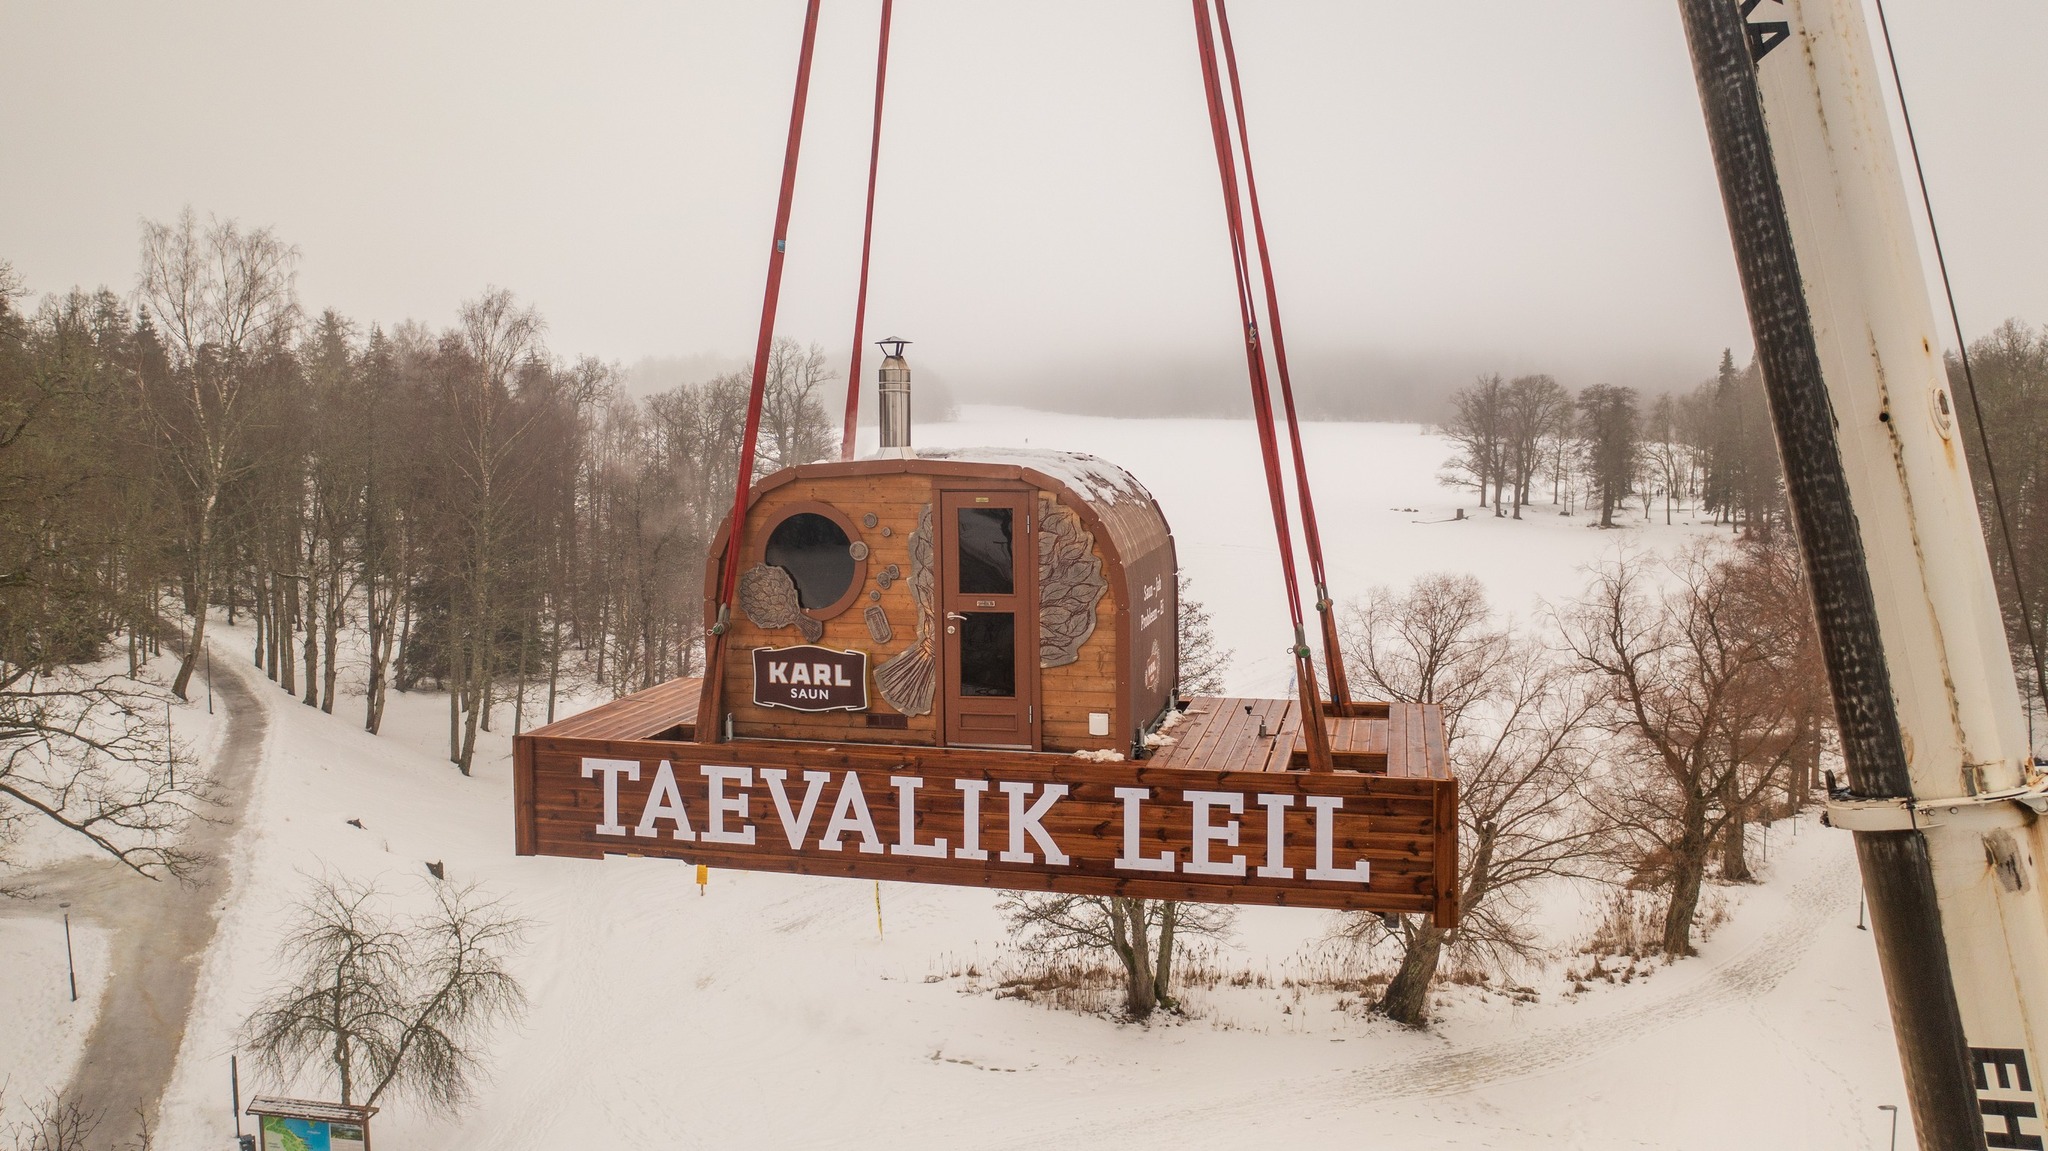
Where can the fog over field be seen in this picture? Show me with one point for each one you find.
(1449, 189)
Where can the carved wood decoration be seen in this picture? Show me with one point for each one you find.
(769, 598)
(909, 679)
(878, 624)
(1070, 584)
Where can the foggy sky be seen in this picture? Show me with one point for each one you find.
(1508, 185)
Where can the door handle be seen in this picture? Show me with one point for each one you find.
(956, 615)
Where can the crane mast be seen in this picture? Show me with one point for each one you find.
(1942, 795)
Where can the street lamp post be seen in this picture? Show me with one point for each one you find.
(70, 965)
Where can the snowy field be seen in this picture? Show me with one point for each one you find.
(770, 1011)
(1385, 519)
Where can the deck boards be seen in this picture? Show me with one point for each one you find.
(1219, 734)
(637, 716)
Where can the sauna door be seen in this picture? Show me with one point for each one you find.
(987, 575)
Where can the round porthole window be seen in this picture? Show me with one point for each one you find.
(818, 555)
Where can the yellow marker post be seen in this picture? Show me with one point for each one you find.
(703, 877)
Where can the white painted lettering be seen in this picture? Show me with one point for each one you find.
(1276, 836)
(611, 769)
(821, 674)
(664, 801)
(1023, 822)
(1206, 833)
(906, 821)
(795, 825)
(719, 805)
(778, 672)
(850, 813)
(839, 677)
(1326, 845)
(800, 673)
(970, 818)
(1131, 859)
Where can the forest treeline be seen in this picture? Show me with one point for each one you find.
(1711, 451)
(462, 505)
(1711, 448)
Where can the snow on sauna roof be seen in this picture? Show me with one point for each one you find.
(1132, 518)
(1097, 479)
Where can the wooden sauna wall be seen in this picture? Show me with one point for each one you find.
(896, 501)
(1066, 693)
(1069, 692)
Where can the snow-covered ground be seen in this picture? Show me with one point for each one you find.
(44, 1030)
(770, 1011)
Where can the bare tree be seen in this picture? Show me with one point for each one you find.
(382, 1003)
(55, 1123)
(1202, 662)
(1478, 426)
(1668, 459)
(1701, 693)
(223, 300)
(1141, 933)
(794, 428)
(1438, 642)
(95, 757)
(1516, 723)
(1532, 408)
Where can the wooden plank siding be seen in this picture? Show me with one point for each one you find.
(1404, 828)
(1125, 669)
(896, 502)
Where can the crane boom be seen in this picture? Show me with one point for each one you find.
(1943, 797)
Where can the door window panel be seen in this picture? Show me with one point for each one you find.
(987, 559)
(988, 654)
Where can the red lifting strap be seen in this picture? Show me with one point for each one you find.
(867, 235)
(1315, 734)
(743, 488)
(1333, 655)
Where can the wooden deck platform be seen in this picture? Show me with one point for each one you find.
(664, 711)
(1217, 733)
(1220, 733)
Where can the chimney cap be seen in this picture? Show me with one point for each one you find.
(897, 351)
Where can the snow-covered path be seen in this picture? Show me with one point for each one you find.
(158, 930)
(161, 929)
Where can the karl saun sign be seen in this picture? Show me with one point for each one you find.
(1336, 840)
(810, 678)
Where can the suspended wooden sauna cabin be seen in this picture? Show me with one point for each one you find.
(961, 667)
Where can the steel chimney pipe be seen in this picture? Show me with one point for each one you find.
(893, 382)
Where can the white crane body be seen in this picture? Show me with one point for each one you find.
(1975, 794)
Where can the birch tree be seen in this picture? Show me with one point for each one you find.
(223, 300)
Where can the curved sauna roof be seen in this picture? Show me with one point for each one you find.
(1122, 512)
